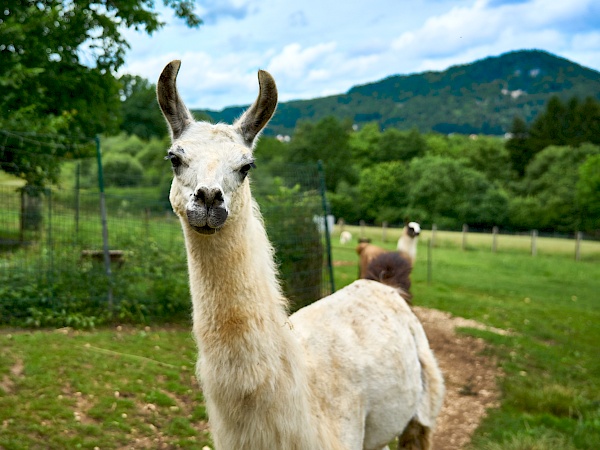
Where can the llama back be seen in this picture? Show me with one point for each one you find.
(362, 353)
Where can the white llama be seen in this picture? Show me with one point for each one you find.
(345, 237)
(407, 243)
(351, 371)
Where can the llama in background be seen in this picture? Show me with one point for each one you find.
(407, 248)
(393, 269)
(351, 371)
(345, 237)
(407, 244)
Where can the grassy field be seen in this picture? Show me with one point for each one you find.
(134, 387)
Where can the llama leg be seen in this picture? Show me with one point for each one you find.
(415, 437)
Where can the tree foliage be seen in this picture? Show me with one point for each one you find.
(57, 64)
(588, 192)
(327, 140)
(448, 192)
(140, 113)
(572, 123)
(552, 178)
(391, 175)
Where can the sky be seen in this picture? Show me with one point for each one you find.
(317, 48)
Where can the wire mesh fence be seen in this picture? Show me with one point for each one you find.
(56, 269)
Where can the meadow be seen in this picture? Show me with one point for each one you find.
(133, 387)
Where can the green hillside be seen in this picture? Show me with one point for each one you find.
(481, 97)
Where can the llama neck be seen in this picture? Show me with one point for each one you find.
(251, 366)
(233, 269)
(408, 245)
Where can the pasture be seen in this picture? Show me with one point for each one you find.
(133, 387)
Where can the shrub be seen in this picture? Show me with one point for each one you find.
(122, 170)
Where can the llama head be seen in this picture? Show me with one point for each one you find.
(211, 161)
(413, 229)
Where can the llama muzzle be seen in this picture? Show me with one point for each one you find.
(206, 220)
(206, 212)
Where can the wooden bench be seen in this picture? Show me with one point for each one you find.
(116, 256)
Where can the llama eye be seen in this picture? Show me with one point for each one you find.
(175, 161)
(246, 168)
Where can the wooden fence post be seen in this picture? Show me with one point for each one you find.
(578, 237)
(341, 224)
(429, 261)
(433, 230)
(534, 234)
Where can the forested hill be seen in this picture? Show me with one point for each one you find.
(481, 97)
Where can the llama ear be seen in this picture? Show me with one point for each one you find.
(255, 118)
(177, 115)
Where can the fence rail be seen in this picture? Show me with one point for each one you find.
(577, 245)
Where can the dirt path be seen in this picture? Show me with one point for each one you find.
(470, 377)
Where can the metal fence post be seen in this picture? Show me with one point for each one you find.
(77, 198)
(325, 215)
(105, 247)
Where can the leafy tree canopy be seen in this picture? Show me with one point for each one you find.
(552, 179)
(57, 64)
(383, 191)
(572, 123)
(588, 191)
(446, 191)
(326, 140)
(141, 115)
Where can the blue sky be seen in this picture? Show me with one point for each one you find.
(315, 48)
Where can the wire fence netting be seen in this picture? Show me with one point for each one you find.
(53, 256)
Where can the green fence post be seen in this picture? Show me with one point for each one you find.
(325, 215)
(77, 199)
(105, 247)
(50, 245)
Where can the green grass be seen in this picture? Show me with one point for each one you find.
(106, 389)
(111, 389)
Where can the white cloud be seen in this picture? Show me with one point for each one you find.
(332, 47)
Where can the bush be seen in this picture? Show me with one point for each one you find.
(122, 170)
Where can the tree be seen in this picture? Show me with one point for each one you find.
(364, 144)
(518, 147)
(588, 192)
(327, 140)
(401, 145)
(57, 64)
(572, 124)
(552, 179)
(445, 191)
(383, 191)
(489, 156)
(139, 110)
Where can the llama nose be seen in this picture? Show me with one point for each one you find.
(210, 197)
